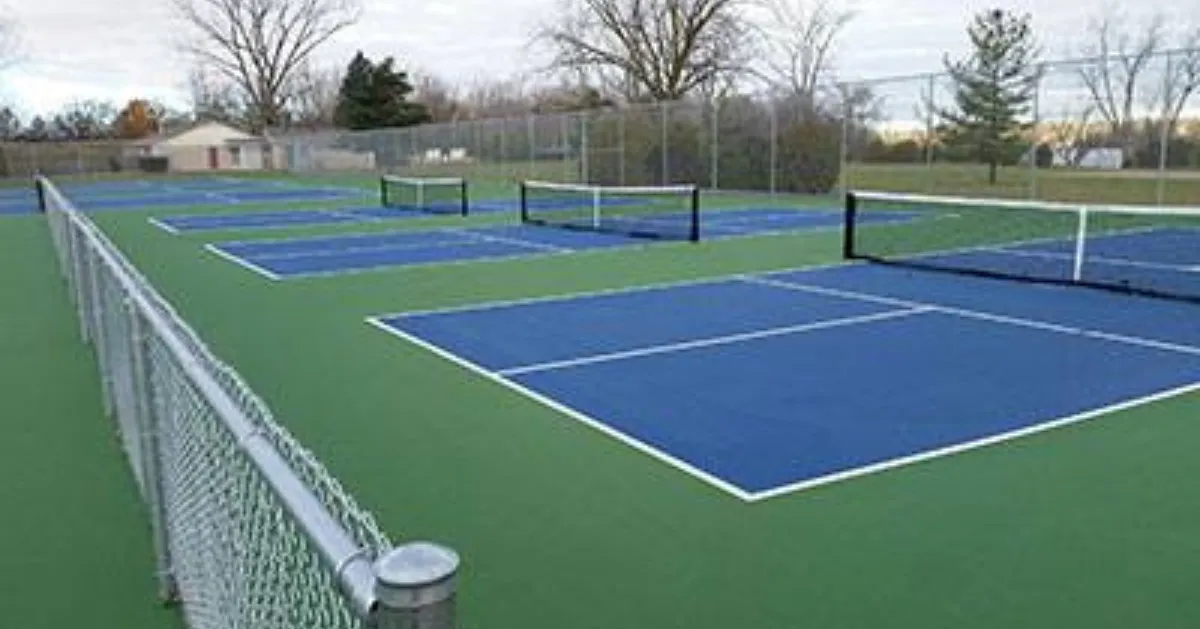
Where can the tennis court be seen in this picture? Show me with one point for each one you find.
(139, 194)
(332, 255)
(765, 384)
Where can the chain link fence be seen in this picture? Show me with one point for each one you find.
(1134, 139)
(249, 529)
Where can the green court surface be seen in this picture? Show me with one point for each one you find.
(559, 526)
(74, 535)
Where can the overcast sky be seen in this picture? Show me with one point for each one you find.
(119, 49)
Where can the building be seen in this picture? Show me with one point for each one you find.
(211, 146)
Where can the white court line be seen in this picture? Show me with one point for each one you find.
(1088, 258)
(242, 262)
(728, 339)
(980, 315)
(605, 292)
(581, 417)
(320, 253)
(528, 244)
(163, 226)
(974, 444)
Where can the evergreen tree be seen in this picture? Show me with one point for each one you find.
(994, 89)
(375, 95)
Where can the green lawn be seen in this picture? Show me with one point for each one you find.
(1090, 526)
(74, 535)
(1179, 187)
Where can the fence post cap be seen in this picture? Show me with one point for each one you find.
(415, 575)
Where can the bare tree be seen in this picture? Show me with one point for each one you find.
(1181, 81)
(1071, 134)
(312, 96)
(800, 37)
(440, 98)
(1120, 61)
(650, 49)
(214, 98)
(259, 45)
(497, 98)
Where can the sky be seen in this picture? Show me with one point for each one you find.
(119, 49)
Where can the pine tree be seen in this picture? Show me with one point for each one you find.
(994, 89)
(375, 95)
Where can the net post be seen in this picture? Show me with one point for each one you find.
(420, 195)
(596, 207)
(415, 587)
(1080, 245)
(40, 190)
(524, 194)
(695, 235)
(848, 225)
(383, 191)
(463, 189)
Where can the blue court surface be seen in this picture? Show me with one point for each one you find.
(181, 223)
(331, 255)
(766, 384)
(361, 214)
(145, 193)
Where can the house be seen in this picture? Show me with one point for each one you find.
(210, 146)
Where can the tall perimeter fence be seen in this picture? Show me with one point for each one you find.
(877, 134)
(249, 529)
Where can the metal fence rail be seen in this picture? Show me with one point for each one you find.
(249, 529)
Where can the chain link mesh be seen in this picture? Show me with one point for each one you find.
(229, 549)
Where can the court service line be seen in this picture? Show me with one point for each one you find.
(966, 313)
(519, 242)
(351, 251)
(242, 262)
(974, 444)
(555, 405)
(669, 348)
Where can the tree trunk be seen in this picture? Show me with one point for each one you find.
(992, 168)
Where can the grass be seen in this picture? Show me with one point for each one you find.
(75, 535)
(559, 526)
(1178, 188)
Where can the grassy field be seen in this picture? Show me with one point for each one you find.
(561, 527)
(1126, 186)
(75, 538)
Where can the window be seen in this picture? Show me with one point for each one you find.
(235, 156)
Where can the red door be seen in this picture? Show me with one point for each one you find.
(212, 158)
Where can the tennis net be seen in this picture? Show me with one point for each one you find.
(665, 212)
(437, 195)
(1137, 249)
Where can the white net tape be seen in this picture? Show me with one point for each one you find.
(230, 550)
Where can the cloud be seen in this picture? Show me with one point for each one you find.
(118, 49)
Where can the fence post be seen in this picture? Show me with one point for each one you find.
(1037, 139)
(930, 106)
(665, 176)
(416, 586)
(1164, 138)
(844, 149)
(773, 160)
(585, 174)
(714, 145)
(621, 146)
(151, 448)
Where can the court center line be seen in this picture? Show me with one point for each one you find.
(163, 226)
(728, 339)
(981, 315)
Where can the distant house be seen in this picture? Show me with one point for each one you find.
(209, 146)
